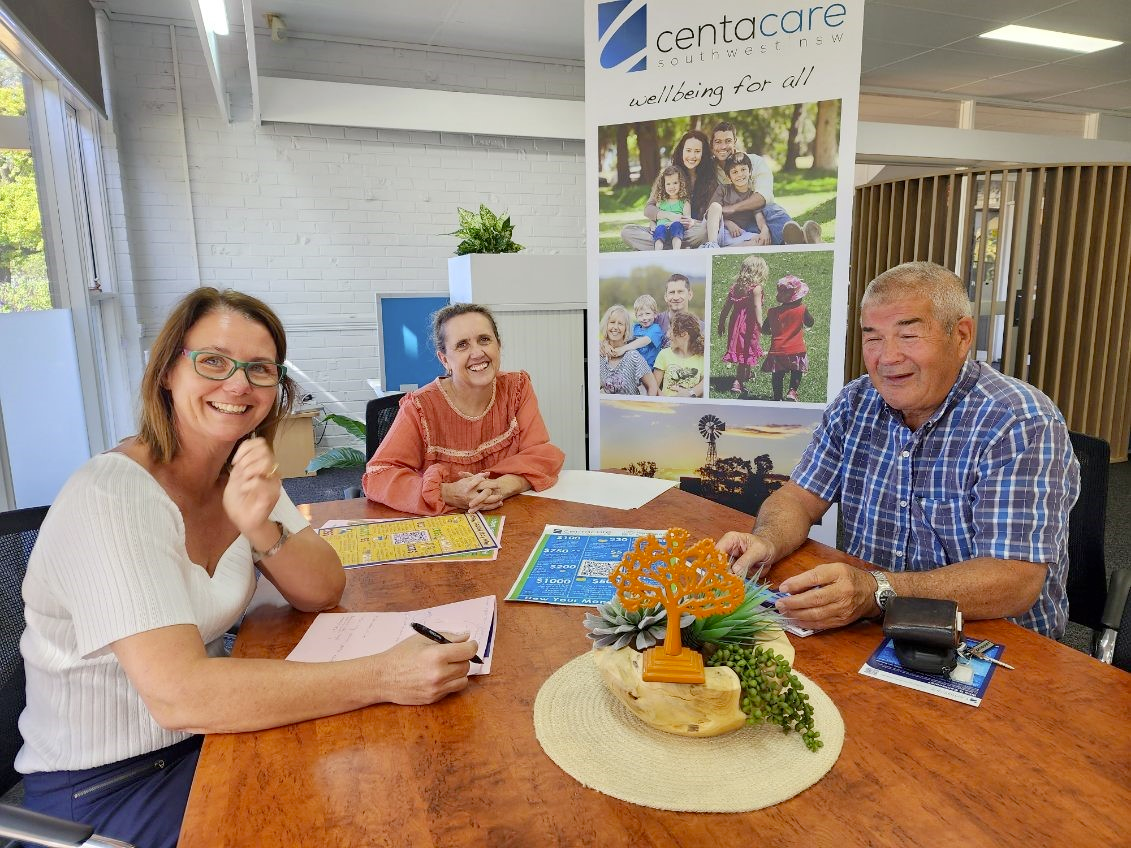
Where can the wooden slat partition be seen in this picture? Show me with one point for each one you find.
(1054, 297)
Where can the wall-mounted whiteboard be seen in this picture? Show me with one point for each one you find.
(40, 393)
(404, 328)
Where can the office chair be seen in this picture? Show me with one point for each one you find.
(18, 532)
(1087, 572)
(1114, 643)
(379, 416)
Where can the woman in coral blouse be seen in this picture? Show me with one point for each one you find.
(468, 440)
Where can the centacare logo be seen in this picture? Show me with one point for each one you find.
(622, 34)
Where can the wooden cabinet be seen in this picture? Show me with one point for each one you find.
(294, 443)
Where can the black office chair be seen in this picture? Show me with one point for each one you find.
(1087, 571)
(379, 415)
(18, 532)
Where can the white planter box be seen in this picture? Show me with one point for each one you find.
(518, 281)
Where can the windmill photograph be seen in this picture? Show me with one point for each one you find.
(710, 427)
(735, 455)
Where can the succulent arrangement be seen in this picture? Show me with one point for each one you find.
(612, 626)
(770, 691)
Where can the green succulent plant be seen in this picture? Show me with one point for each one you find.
(612, 626)
(746, 625)
(771, 692)
(484, 232)
(615, 627)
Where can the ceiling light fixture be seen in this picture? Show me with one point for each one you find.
(1050, 38)
(215, 16)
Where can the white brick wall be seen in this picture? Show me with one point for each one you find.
(316, 220)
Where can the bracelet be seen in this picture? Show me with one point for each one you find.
(284, 534)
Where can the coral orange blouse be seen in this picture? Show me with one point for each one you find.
(431, 442)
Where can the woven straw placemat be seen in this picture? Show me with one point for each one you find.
(585, 730)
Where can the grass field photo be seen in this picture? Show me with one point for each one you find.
(798, 142)
(815, 267)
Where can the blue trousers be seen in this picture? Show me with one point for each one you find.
(776, 219)
(666, 232)
(140, 800)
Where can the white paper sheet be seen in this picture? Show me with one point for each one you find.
(349, 635)
(620, 491)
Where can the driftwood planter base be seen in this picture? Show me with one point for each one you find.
(687, 709)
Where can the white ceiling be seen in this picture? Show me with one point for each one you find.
(909, 45)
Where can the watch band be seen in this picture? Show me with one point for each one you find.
(884, 590)
(284, 534)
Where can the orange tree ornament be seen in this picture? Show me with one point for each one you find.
(683, 578)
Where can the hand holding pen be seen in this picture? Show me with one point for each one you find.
(438, 638)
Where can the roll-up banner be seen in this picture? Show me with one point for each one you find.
(721, 140)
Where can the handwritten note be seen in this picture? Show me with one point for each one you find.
(350, 635)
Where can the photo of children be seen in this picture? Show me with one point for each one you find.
(787, 157)
(771, 315)
(664, 328)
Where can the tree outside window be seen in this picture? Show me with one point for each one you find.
(23, 265)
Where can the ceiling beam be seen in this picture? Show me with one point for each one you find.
(252, 63)
(212, 61)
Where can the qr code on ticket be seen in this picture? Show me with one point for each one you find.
(595, 568)
(410, 537)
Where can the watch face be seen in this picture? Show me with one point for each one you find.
(883, 596)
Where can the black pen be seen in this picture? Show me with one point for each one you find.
(429, 633)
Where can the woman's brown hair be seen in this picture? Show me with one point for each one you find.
(155, 422)
(442, 316)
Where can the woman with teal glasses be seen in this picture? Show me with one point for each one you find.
(149, 555)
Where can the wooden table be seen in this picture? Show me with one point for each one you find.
(1045, 760)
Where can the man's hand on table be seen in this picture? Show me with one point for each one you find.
(829, 595)
(747, 551)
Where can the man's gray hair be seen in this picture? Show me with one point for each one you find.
(944, 289)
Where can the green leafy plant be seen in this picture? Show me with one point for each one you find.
(771, 692)
(749, 623)
(484, 232)
(341, 457)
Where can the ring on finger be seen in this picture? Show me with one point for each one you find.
(274, 468)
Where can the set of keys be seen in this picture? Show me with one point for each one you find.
(980, 652)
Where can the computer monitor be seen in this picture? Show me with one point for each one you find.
(404, 330)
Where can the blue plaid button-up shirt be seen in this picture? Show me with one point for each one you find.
(990, 474)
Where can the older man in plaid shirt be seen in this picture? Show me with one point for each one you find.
(955, 481)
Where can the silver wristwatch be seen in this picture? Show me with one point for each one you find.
(884, 590)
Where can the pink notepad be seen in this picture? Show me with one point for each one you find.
(349, 635)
